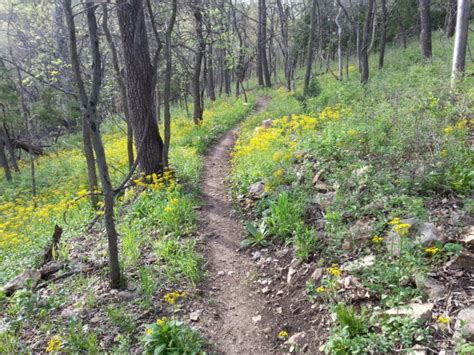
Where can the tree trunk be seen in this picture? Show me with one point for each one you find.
(121, 84)
(167, 88)
(262, 43)
(285, 43)
(364, 60)
(86, 135)
(201, 46)
(4, 161)
(460, 39)
(310, 46)
(210, 74)
(94, 122)
(339, 44)
(140, 84)
(383, 35)
(425, 23)
(451, 18)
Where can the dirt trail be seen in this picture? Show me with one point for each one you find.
(232, 314)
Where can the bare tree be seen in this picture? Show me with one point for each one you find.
(310, 46)
(285, 45)
(89, 107)
(383, 35)
(200, 49)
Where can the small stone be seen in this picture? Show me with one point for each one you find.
(266, 290)
(126, 295)
(468, 238)
(68, 313)
(279, 310)
(267, 330)
(256, 255)
(464, 261)
(433, 288)
(464, 326)
(282, 253)
(256, 319)
(279, 293)
(291, 272)
(360, 264)
(194, 316)
(418, 312)
(267, 123)
(321, 187)
(257, 190)
(362, 230)
(95, 319)
(221, 273)
(297, 339)
(317, 274)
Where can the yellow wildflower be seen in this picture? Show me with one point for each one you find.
(334, 270)
(402, 229)
(283, 334)
(377, 239)
(54, 344)
(432, 250)
(149, 331)
(394, 221)
(161, 321)
(278, 173)
(168, 209)
(172, 297)
(448, 130)
(321, 289)
(443, 319)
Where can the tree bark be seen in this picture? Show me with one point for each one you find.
(285, 43)
(451, 18)
(86, 135)
(383, 35)
(339, 44)
(310, 46)
(364, 60)
(210, 75)
(4, 161)
(262, 43)
(121, 84)
(140, 84)
(167, 86)
(460, 39)
(200, 48)
(425, 24)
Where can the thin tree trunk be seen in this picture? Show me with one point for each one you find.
(310, 46)
(86, 135)
(201, 46)
(285, 43)
(167, 88)
(451, 18)
(383, 35)
(210, 75)
(339, 44)
(4, 161)
(365, 44)
(94, 122)
(425, 23)
(262, 45)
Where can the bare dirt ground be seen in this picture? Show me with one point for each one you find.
(234, 315)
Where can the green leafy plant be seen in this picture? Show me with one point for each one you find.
(257, 236)
(166, 337)
(305, 240)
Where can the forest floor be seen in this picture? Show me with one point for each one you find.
(236, 320)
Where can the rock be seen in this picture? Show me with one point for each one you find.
(362, 230)
(326, 199)
(321, 187)
(95, 319)
(282, 253)
(291, 272)
(468, 238)
(267, 330)
(266, 123)
(360, 264)
(427, 234)
(418, 312)
(68, 312)
(257, 190)
(221, 273)
(256, 255)
(194, 316)
(430, 286)
(297, 340)
(418, 350)
(256, 319)
(266, 290)
(279, 310)
(464, 326)
(420, 233)
(126, 295)
(29, 277)
(317, 274)
(463, 261)
(50, 268)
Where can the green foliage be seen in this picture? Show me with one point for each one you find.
(118, 317)
(305, 240)
(80, 338)
(285, 215)
(168, 337)
(256, 236)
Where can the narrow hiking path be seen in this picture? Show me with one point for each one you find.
(234, 316)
